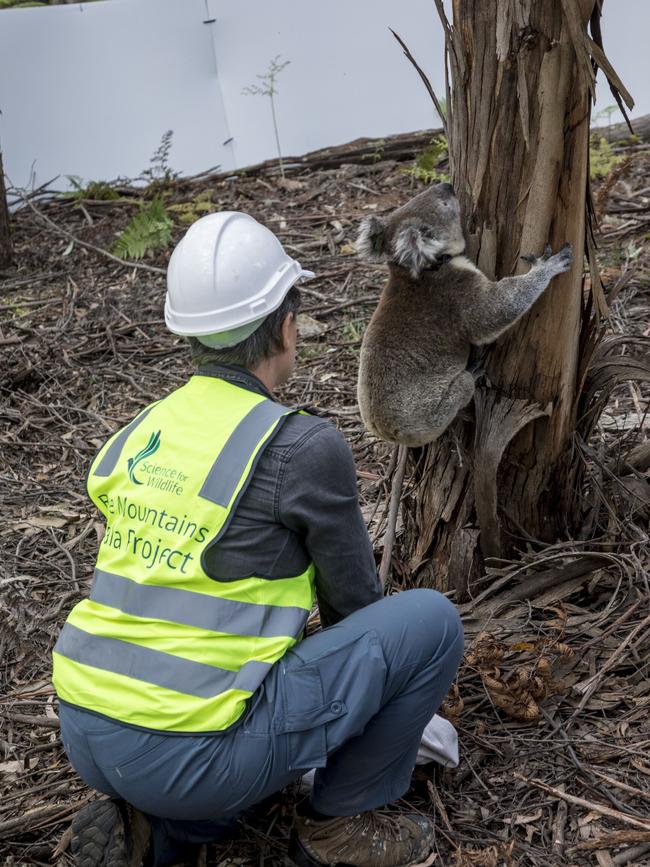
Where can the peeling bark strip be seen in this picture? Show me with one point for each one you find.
(521, 82)
(498, 421)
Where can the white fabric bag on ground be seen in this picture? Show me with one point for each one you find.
(439, 744)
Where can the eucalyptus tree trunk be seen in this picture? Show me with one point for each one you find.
(6, 250)
(518, 109)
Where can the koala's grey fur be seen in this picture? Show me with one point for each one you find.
(413, 377)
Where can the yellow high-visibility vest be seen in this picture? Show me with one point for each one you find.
(159, 643)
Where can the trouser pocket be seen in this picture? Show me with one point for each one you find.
(331, 685)
(305, 715)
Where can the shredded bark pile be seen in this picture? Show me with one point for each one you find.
(552, 703)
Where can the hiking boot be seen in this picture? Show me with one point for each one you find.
(370, 839)
(109, 833)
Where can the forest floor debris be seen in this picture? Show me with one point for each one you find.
(552, 703)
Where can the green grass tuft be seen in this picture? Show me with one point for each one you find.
(94, 190)
(426, 163)
(602, 159)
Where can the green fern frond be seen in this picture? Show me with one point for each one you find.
(150, 229)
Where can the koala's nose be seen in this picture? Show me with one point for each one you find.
(446, 188)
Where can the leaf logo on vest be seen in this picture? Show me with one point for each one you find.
(154, 475)
(151, 448)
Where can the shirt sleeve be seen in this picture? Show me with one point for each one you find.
(318, 500)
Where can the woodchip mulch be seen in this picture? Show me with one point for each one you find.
(552, 702)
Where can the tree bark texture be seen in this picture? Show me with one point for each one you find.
(6, 249)
(518, 125)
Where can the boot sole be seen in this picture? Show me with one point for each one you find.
(298, 856)
(98, 836)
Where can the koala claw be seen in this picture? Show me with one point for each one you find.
(537, 259)
(558, 262)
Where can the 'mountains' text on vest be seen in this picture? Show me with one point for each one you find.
(159, 643)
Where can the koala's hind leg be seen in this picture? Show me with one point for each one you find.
(437, 415)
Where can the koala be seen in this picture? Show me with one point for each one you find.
(413, 369)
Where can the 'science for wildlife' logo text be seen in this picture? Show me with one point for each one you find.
(151, 448)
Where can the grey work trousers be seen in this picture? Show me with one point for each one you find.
(351, 701)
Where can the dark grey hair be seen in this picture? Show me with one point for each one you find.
(263, 343)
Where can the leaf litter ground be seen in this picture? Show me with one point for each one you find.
(552, 702)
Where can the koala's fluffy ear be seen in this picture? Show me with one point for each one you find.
(415, 251)
(371, 240)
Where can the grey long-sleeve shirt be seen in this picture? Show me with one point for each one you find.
(300, 505)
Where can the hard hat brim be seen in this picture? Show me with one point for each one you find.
(221, 320)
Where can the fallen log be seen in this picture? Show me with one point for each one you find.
(400, 147)
(620, 132)
(404, 146)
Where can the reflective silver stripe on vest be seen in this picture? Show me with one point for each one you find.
(156, 667)
(113, 452)
(226, 472)
(196, 609)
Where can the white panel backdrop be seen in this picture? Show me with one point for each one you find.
(90, 89)
(347, 76)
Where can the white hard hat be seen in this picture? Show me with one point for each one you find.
(225, 276)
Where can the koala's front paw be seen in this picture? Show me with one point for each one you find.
(552, 263)
(561, 261)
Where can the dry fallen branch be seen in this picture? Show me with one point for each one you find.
(615, 838)
(582, 802)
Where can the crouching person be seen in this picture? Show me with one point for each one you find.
(186, 692)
